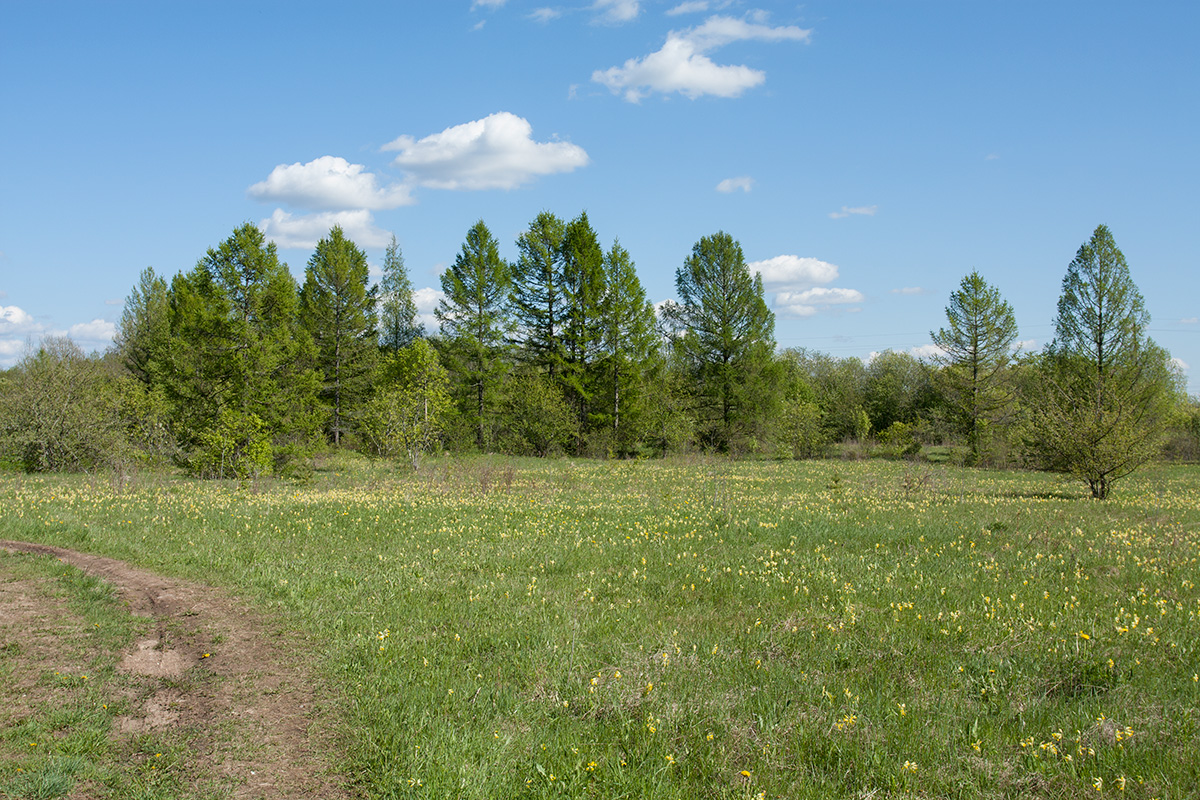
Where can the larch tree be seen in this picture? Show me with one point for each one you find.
(727, 337)
(539, 305)
(474, 317)
(1100, 403)
(976, 353)
(338, 309)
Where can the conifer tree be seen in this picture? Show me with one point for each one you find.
(338, 309)
(398, 325)
(976, 352)
(539, 305)
(475, 322)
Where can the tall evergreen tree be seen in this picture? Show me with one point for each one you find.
(630, 345)
(539, 305)
(338, 309)
(977, 350)
(474, 320)
(582, 332)
(728, 339)
(1100, 404)
(398, 325)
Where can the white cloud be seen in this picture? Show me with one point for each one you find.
(617, 11)
(496, 152)
(98, 330)
(926, 352)
(1190, 320)
(863, 211)
(689, 7)
(682, 66)
(544, 15)
(810, 301)
(16, 320)
(1179, 364)
(487, 4)
(910, 290)
(793, 272)
(328, 183)
(426, 301)
(733, 184)
(305, 230)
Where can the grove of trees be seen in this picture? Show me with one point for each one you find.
(234, 369)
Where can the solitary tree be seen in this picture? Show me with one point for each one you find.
(1100, 402)
(976, 351)
(474, 320)
(727, 338)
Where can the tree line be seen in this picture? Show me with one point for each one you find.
(235, 369)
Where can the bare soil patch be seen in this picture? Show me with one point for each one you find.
(232, 685)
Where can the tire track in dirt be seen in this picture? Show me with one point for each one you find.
(248, 707)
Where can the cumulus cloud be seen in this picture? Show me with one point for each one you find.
(14, 319)
(798, 285)
(681, 65)
(496, 152)
(793, 272)
(734, 184)
(328, 183)
(305, 230)
(19, 329)
(859, 211)
(98, 330)
(616, 11)
(426, 301)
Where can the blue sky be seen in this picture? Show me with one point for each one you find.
(867, 155)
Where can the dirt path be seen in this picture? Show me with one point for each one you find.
(252, 715)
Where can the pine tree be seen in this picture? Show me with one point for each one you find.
(338, 309)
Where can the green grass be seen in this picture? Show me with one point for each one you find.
(506, 628)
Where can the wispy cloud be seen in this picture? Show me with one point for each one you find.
(849, 211)
(487, 4)
(728, 185)
(910, 290)
(682, 64)
(496, 152)
(616, 11)
(689, 7)
(544, 15)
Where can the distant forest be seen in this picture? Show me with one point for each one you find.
(234, 370)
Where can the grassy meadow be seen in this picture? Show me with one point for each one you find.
(704, 628)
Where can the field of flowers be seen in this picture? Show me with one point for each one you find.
(705, 628)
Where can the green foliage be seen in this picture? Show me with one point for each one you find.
(538, 300)
(583, 284)
(142, 342)
(898, 439)
(726, 338)
(1103, 392)
(237, 446)
(60, 411)
(804, 434)
(899, 388)
(398, 325)
(537, 419)
(237, 344)
(976, 351)
(406, 416)
(337, 309)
